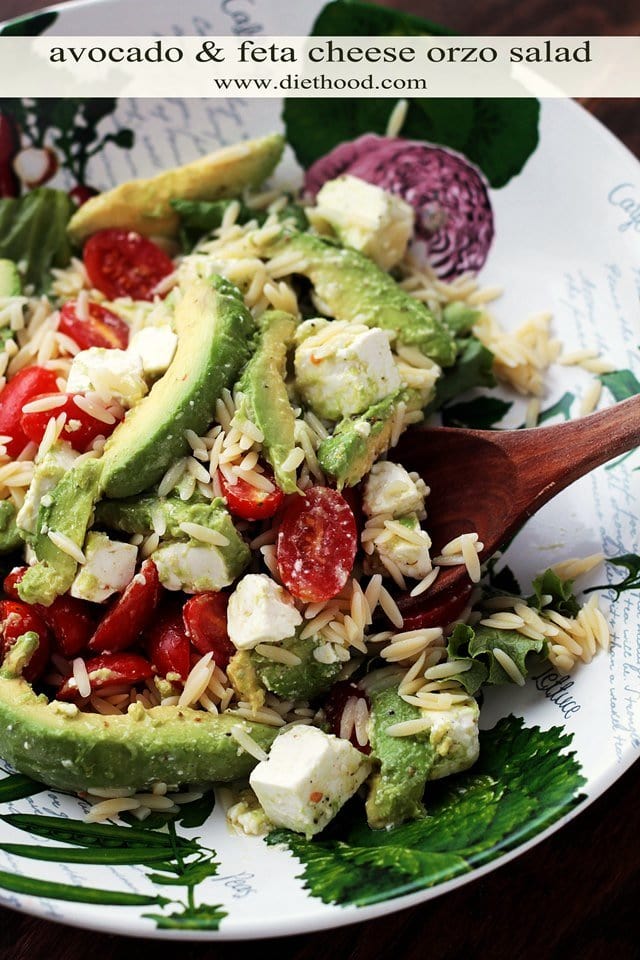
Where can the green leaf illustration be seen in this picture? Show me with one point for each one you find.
(522, 782)
(204, 917)
(498, 135)
(196, 813)
(31, 26)
(622, 384)
(76, 894)
(83, 834)
(480, 414)
(107, 855)
(631, 563)
(561, 407)
(190, 875)
(473, 368)
(17, 786)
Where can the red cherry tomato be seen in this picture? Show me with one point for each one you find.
(316, 545)
(27, 384)
(122, 263)
(101, 329)
(205, 621)
(80, 429)
(248, 502)
(70, 620)
(119, 668)
(167, 644)
(131, 613)
(334, 708)
(17, 618)
(422, 613)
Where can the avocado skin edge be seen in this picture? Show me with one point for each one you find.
(90, 750)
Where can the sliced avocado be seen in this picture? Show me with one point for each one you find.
(10, 282)
(396, 789)
(69, 511)
(244, 679)
(353, 288)
(72, 750)
(214, 342)
(10, 538)
(266, 401)
(19, 655)
(303, 682)
(357, 442)
(145, 205)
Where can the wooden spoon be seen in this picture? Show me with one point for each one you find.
(491, 481)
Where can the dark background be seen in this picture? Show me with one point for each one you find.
(576, 895)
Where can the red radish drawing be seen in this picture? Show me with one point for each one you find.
(35, 165)
(9, 186)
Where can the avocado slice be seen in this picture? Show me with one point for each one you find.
(266, 401)
(145, 205)
(10, 538)
(404, 763)
(353, 288)
(58, 745)
(10, 283)
(357, 442)
(215, 332)
(252, 673)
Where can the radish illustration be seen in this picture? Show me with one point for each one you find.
(9, 186)
(35, 165)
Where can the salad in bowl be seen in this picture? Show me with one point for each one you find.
(209, 539)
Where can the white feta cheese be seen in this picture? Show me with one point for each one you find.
(110, 567)
(111, 373)
(192, 567)
(155, 346)
(411, 558)
(454, 735)
(260, 611)
(343, 368)
(390, 488)
(58, 460)
(366, 217)
(308, 776)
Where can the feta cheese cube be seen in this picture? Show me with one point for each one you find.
(410, 554)
(454, 734)
(343, 368)
(308, 776)
(155, 346)
(366, 217)
(260, 611)
(111, 373)
(110, 567)
(193, 568)
(58, 460)
(390, 488)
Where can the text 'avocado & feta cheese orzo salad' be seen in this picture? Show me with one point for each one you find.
(207, 536)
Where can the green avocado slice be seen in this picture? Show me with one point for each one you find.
(10, 538)
(145, 205)
(215, 332)
(353, 288)
(357, 442)
(71, 750)
(252, 674)
(266, 401)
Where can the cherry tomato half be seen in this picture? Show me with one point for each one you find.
(80, 429)
(17, 618)
(248, 502)
(111, 669)
(167, 643)
(205, 621)
(101, 329)
(122, 263)
(131, 613)
(316, 545)
(24, 386)
(70, 620)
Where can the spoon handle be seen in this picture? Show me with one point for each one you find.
(548, 459)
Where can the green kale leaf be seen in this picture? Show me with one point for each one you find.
(560, 591)
(476, 646)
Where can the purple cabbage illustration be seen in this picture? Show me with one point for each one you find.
(454, 219)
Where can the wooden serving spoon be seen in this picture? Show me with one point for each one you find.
(491, 481)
